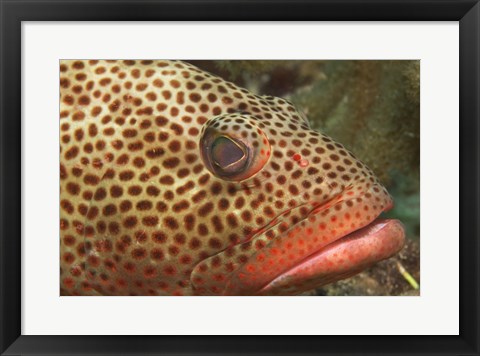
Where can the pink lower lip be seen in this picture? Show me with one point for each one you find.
(346, 256)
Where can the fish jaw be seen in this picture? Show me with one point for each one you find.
(328, 227)
(343, 258)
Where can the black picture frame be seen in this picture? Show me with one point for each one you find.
(13, 12)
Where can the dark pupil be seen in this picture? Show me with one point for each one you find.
(225, 152)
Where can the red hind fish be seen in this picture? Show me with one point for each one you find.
(175, 182)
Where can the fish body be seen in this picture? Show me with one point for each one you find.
(176, 182)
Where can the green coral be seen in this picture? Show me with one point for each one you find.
(236, 69)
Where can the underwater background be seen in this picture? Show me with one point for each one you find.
(371, 107)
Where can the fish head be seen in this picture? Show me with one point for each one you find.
(317, 203)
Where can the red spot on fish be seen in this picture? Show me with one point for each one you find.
(68, 283)
(261, 257)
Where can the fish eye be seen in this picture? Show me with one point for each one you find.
(233, 148)
(228, 155)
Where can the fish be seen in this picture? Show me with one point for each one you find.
(176, 182)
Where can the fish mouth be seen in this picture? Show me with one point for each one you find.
(316, 251)
(341, 258)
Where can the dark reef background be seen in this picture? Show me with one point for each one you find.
(373, 108)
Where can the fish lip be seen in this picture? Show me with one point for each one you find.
(377, 223)
(371, 229)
